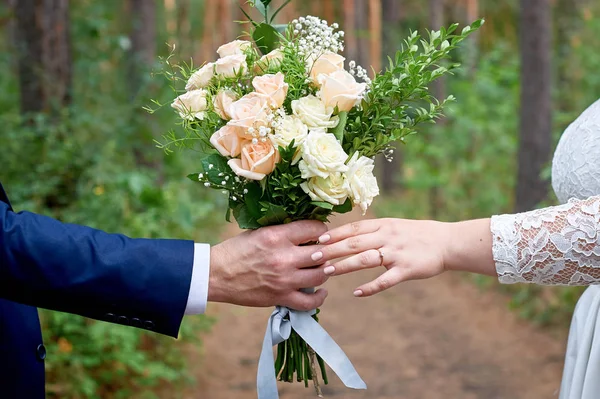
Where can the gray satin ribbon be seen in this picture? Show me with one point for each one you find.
(279, 329)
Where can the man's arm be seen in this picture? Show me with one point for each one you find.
(76, 269)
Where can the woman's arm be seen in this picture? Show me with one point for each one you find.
(552, 246)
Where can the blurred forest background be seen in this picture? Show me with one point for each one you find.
(77, 145)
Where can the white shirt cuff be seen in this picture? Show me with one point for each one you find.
(198, 296)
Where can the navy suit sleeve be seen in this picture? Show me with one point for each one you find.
(80, 270)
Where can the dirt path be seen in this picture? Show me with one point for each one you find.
(441, 338)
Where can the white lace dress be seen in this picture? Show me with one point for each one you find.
(561, 246)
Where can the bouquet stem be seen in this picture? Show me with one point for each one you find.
(313, 367)
(294, 356)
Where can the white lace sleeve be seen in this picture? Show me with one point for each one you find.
(551, 246)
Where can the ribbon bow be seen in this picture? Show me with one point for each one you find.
(279, 329)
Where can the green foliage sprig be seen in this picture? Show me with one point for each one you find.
(399, 98)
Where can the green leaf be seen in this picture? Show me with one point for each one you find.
(273, 214)
(338, 131)
(252, 199)
(193, 177)
(344, 208)
(321, 204)
(266, 38)
(215, 169)
(244, 219)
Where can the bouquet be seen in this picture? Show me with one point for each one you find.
(289, 131)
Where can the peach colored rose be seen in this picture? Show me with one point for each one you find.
(341, 89)
(325, 64)
(272, 59)
(233, 48)
(256, 160)
(201, 77)
(273, 87)
(227, 141)
(249, 111)
(192, 104)
(231, 65)
(222, 101)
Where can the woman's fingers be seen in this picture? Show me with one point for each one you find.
(350, 230)
(349, 246)
(388, 279)
(364, 260)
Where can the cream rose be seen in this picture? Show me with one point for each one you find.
(256, 160)
(227, 141)
(249, 111)
(222, 101)
(324, 64)
(231, 65)
(272, 86)
(234, 48)
(333, 189)
(362, 183)
(341, 89)
(272, 59)
(322, 155)
(201, 78)
(191, 105)
(313, 112)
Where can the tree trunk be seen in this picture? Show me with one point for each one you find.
(391, 171)
(329, 11)
(362, 27)
(535, 128)
(143, 42)
(207, 44)
(350, 42)
(44, 52)
(226, 28)
(436, 20)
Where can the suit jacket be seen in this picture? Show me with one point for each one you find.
(45, 263)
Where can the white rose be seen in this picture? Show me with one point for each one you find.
(340, 89)
(333, 189)
(233, 48)
(313, 112)
(289, 128)
(222, 101)
(362, 182)
(231, 65)
(201, 77)
(322, 155)
(191, 105)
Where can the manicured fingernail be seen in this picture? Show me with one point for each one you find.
(358, 293)
(316, 256)
(329, 270)
(324, 238)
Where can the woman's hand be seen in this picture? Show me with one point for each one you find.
(408, 249)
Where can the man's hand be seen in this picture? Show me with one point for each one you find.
(267, 267)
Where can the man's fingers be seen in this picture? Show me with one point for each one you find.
(309, 278)
(364, 260)
(350, 230)
(302, 301)
(388, 279)
(302, 231)
(349, 246)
